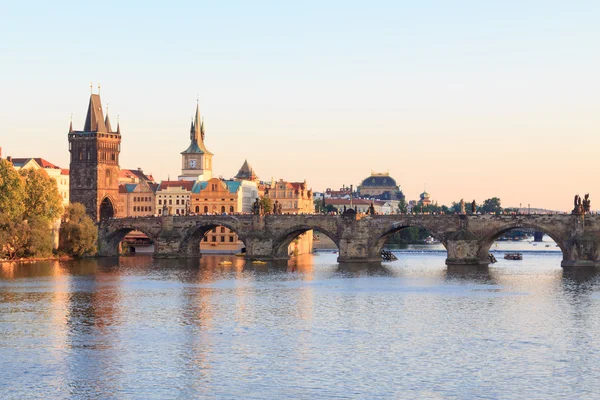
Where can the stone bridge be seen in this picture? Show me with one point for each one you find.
(467, 238)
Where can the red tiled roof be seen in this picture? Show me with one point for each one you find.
(40, 161)
(187, 185)
(64, 171)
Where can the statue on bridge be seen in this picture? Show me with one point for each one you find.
(581, 207)
(372, 209)
(256, 207)
(474, 207)
(586, 203)
(277, 207)
(165, 209)
(462, 206)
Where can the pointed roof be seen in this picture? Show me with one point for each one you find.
(197, 135)
(246, 172)
(94, 121)
(107, 122)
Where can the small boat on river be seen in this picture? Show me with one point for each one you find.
(225, 263)
(513, 256)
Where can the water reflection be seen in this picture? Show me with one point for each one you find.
(305, 328)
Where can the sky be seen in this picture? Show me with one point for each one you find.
(467, 99)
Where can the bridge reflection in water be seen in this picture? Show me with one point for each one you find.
(466, 238)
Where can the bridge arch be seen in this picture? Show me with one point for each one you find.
(490, 237)
(381, 236)
(113, 236)
(192, 236)
(285, 238)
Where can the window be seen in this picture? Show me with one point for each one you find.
(177, 202)
(231, 239)
(159, 211)
(205, 238)
(170, 202)
(213, 238)
(197, 209)
(206, 209)
(222, 229)
(214, 230)
(159, 202)
(222, 239)
(231, 209)
(222, 209)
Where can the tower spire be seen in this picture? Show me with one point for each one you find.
(71, 124)
(197, 123)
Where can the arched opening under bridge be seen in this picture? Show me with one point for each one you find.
(406, 237)
(519, 239)
(213, 238)
(304, 240)
(129, 240)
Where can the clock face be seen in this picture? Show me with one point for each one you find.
(192, 163)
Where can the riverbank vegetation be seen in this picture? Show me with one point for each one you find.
(30, 208)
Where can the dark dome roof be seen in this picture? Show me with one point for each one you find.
(379, 180)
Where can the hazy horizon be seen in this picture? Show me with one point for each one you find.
(466, 99)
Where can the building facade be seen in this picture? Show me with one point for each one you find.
(94, 167)
(295, 198)
(137, 199)
(173, 197)
(196, 160)
(219, 196)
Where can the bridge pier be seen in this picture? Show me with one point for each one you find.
(581, 251)
(464, 248)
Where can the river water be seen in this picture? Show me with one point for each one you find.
(138, 328)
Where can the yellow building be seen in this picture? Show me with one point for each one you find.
(219, 196)
(137, 199)
(295, 198)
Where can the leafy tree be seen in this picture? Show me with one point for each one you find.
(39, 242)
(491, 206)
(12, 191)
(42, 199)
(267, 204)
(402, 205)
(78, 233)
(14, 234)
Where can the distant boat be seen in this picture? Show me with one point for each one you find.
(430, 240)
(225, 263)
(258, 262)
(513, 256)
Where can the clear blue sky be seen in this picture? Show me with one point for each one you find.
(475, 99)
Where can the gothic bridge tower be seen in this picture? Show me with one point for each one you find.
(94, 168)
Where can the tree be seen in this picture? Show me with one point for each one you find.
(402, 205)
(491, 206)
(78, 233)
(42, 198)
(12, 191)
(267, 204)
(14, 234)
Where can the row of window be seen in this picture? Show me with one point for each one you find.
(177, 203)
(141, 209)
(142, 199)
(214, 209)
(214, 239)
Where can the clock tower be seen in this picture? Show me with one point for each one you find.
(196, 160)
